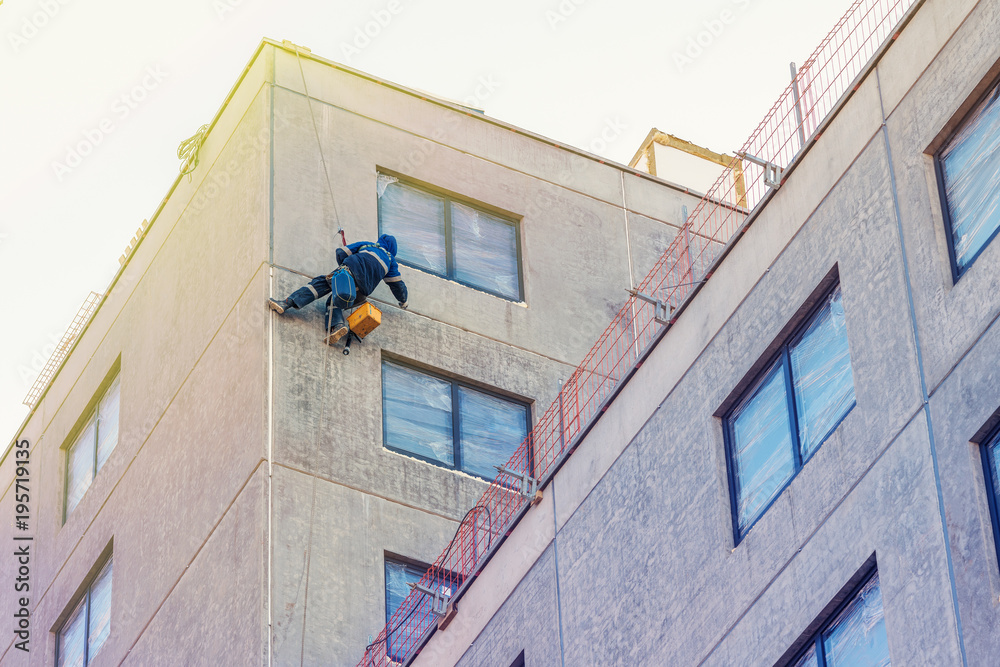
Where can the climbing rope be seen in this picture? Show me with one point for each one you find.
(319, 143)
(188, 151)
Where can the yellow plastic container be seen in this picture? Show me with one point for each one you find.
(364, 320)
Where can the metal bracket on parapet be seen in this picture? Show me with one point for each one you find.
(528, 487)
(441, 604)
(772, 172)
(663, 310)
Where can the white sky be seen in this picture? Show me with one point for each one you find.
(567, 69)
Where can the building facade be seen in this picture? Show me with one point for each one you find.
(804, 469)
(212, 484)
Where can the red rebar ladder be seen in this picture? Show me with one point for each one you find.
(716, 222)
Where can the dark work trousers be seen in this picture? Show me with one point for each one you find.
(341, 288)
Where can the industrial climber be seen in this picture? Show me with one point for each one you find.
(360, 268)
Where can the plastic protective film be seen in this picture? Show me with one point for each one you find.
(80, 471)
(808, 659)
(417, 413)
(100, 611)
(762, 446)
(398, 576)
(485, 251)
(71, 637)
(107, 425)
(821, 372)
(416, 219)
(857, 636)
(994, 459)
(491, 430)
(971, 168)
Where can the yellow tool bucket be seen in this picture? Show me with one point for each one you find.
(364, 320)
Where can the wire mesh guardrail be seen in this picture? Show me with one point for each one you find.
(719, 217)
(62, 349)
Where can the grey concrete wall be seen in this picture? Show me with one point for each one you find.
(181, 496)
(648, 572)
(528, 621)
(340, 496)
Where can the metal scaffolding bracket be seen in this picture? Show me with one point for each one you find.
(441, 604)
(662, 312)
(528, 486)
(772, 172)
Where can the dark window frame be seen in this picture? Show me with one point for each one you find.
(85, 593)
(956, 271)
(411, 565)
(449, 249)
(829, 615)
(89, 413)
(988, 443)
(750, 390)
(455, 417)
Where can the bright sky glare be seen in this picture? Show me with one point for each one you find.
(134, 79)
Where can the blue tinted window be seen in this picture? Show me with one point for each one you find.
(89, 624)
(452, 238)
(445, 422)
(855, 637)
(762, 452)
(991, 459)
(821, 371)
(398, 577)
(784, 418)
(970, 174)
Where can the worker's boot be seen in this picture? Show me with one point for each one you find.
(279, 306)
(338, 327)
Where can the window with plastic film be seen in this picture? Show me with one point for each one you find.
(969, 179)
(399, 575)
(92, 446)
(789, 411)
(449, 423)
(991, 463)
(83, 634)
(450, 237)
(855, 637)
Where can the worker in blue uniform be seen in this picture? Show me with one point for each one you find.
(360, 268)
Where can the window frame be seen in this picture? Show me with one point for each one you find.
(455, 418)
(449, 238)
(992, 440)
(88, 417)
(815, 638)
(956, 271)
(411, 565)
(750, 390)
(85, 596)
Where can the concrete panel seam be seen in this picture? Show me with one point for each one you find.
(923, 381)
(151, 430)
(584, 195)
(412, 311)
(194, 557)
(364, 492)
(913, 416)
(114, 281)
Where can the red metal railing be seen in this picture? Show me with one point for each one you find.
(718, 218)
